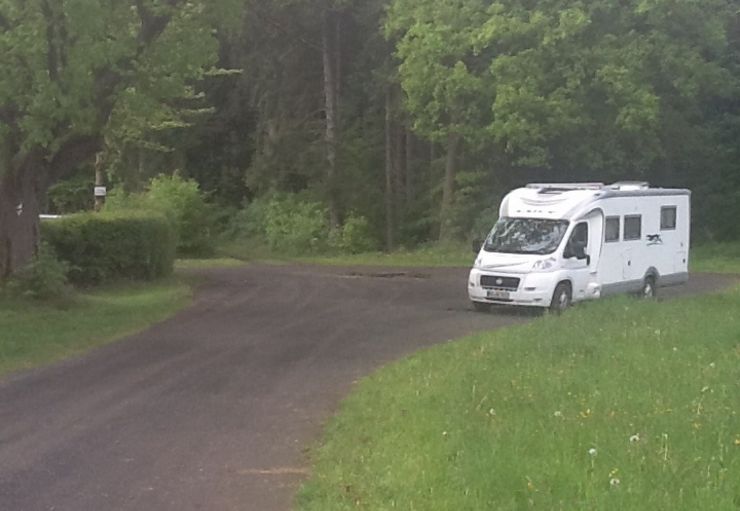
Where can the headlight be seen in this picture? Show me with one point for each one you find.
(544, 264)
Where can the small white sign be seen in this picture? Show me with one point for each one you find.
(100, 191)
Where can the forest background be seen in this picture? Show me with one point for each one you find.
(309, 125)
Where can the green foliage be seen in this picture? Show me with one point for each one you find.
(67, 47)
(112, 246)
(356, 236)
(71, 196)
(294, 226)
(484, 223)
(559, 84)
(44, 278)
(181, 202)
(250, 221)
(616, 405)
(289, 224)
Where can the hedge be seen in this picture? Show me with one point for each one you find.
(109, 246)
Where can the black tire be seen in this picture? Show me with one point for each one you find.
(649, 290)
(561, 298)
(481, 306)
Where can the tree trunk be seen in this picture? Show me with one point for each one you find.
(20, 190)
(390, 222)
(410, 193)
(399, 159)
(330, 97)
(448, 188)
(99, 181)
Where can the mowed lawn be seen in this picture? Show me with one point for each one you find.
(619, 405)
(33, 334)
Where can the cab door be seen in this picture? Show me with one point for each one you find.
(578, 260)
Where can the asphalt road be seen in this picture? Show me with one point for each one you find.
(213, 409)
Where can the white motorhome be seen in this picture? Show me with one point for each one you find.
(559, 243)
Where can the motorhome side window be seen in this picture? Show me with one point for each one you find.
(611, 229)
(632, 227)
(668, 218)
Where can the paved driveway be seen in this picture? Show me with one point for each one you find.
(213, 409)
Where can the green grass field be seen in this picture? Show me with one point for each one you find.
(33, 334)
(616, 405)
(716, 257)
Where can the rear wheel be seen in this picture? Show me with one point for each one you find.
(481, 306)
(649, 289)
(561, 298)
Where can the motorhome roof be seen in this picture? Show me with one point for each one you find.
(562, 200)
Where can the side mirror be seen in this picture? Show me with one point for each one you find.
(477, 245)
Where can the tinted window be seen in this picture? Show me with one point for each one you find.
(611, 229)
(667, 218)
(580, 234)
(633, 227)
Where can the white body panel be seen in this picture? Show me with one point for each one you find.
(651, 243)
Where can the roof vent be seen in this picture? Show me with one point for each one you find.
(629, 186)
(564, 187)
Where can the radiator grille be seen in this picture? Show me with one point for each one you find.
(497, 282)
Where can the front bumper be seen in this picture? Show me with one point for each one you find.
(534, 289)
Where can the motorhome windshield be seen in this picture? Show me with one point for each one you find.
(526, 236)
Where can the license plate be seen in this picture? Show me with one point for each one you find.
(497, 294)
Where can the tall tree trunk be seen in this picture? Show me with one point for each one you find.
(409, 166)
(448, 187)
(390, 192)
(330, 97)
(399, 157)
(20, 190)
(337, 47)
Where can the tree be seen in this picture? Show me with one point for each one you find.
(562, 85)
(443, 78)
(67, 66)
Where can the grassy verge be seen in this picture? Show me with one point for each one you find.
(717, 257)
(427, 256)
(32, 334)
(616, 405)
(204, 264)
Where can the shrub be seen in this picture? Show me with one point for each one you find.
(183, 204)
(110, 246)
(249, 223)
(295, 226)
(45, 278)
(355, 236)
